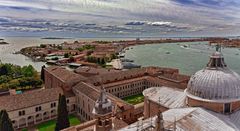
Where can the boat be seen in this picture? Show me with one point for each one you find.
(127, 60)
(2, 42)
(129, 65)
(121, 55)
(51, 62)
(74, 65)
(167, 52)
(237, 54)
(185, 46)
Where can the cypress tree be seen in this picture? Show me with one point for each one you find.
(5, 122)
(42, 73)
(98, 60)
(103, 61)
(62, 115)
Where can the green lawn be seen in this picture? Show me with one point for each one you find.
(135, 99)
(50, 125)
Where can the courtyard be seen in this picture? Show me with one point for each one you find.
(134, 99)
(50, 125)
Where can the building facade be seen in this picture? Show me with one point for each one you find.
(82, 91)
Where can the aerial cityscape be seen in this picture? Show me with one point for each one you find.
(119, 65)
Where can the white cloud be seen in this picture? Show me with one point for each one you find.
(159, 23)
(162, 13)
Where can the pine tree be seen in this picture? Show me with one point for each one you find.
(5, 122)
(62, 116)
(42, 73)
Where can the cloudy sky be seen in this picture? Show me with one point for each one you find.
(92, 18)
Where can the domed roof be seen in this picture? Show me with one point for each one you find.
(215, 82)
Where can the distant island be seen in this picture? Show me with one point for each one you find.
(2, 42)
(56, 38)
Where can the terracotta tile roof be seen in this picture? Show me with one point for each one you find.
(86, 89)
(113, 76)
(94, 71)
(65, 75)
(28, 99)
(108, 85)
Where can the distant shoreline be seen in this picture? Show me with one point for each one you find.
(53, 38)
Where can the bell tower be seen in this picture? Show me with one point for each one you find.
(159, 122)
(103, 112)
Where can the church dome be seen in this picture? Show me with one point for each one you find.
(215, 82)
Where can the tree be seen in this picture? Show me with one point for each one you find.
(42, 73)
(113, 56)
(66, 55)
(62, 115)
(28, 71)
(5, 69)
(55, 58)
(59, 47)
(5, 122)
(43, 46)
(98, 60)
(103, 61)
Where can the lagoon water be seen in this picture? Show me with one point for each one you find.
(187, 60)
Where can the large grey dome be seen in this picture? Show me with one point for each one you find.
(215, 82)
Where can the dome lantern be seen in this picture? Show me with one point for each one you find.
(216, 59)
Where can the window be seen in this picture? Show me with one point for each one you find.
(227, 107)
(53, 104)
(21, 113)
(100, 123)
(39, 108)
(107, 122)
(67, 100)
(52, 111)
